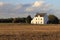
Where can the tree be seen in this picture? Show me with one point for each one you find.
(28, 19)
(53, 19)
(59, 21)
(19, 20)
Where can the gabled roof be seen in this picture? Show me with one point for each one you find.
(40, 14)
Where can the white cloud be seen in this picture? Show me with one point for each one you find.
(38, 6)
(29, 9)
(34, 6)
(38, 3)
(18, 6)
(1, 3)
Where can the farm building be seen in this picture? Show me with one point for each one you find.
(40, 18)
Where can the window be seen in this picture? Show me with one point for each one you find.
(36, 22)
(36, 18)
(41, 18)
(41, 22)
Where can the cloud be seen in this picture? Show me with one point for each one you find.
(18, 6)
(1, 3)
(22, 10)
(9, 10)
(38, 3)
(39, 6)
(28, 9)
(34, 6)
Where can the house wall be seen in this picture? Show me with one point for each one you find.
(38, 20)
(45, 19)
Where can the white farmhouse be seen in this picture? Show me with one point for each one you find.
(40, 18)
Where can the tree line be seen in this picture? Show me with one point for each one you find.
(17, 20)
(52, 19)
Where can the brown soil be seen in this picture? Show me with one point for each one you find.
(29, 32)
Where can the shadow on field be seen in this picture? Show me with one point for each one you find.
(31, 36)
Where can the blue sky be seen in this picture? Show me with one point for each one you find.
(29, 1)
(16, 11)
(18, 1)
(53, 2)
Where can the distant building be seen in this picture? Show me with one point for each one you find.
(40, 18)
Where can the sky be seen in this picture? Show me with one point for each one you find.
(19, 8)
(54, 2)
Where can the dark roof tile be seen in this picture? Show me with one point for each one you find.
(40, 14)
